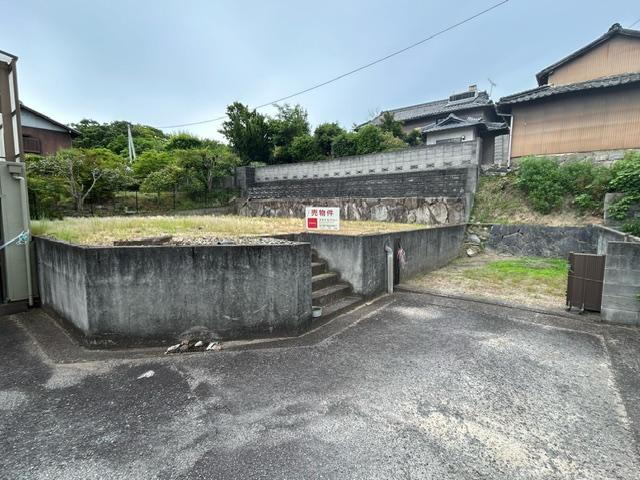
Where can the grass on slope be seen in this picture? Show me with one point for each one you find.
(522, 280)
(498, 200)
(105, 230)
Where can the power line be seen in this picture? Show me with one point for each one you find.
(355, 70)
(637, 21)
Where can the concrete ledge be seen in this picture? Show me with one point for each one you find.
(152, 294)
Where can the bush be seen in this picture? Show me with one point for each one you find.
(548, 183)
(540, 178)
(625, 179)
(632, 227)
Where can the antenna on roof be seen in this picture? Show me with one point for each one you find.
(493, 84)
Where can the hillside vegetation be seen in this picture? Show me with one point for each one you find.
(545, 192)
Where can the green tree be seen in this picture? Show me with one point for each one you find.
(391, 125)
(304, 148)
(345, 144)
(203, 167)
(149, 162)
(325, 134)
(248, 133)
(289, 123)
(166, 179)
(183, 141)
(83, 172)
(113, 136)
(413, 138)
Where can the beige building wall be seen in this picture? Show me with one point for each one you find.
(605, 120)
(617, 55)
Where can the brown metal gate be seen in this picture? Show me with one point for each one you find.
(584, 283)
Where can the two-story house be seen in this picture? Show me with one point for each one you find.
(587, 105)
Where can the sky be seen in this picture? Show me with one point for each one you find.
(170, 62)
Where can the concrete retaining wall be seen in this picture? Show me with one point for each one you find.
(605, 235)
(620, 301)
(542, 241)
(361, 260)
(156, 293)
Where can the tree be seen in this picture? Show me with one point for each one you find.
(391, 125)
(83, 172)
(113, 136)
(203, 166)
(166, 179)
(345, 144)
(149, 162)
(325, 134)
(248, 133)
(183, 141)
(414, 137)
(304, 148)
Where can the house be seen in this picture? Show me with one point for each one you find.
(587, 105)
(43, 135)
(461, 117)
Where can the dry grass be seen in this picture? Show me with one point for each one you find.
(535, 282)
(106, 230)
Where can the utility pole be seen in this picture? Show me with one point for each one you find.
(132, 147)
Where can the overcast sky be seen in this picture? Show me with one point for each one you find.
(167, 62)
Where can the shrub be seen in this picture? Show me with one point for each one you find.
(625, 179)
(632, 227)
(540, 178)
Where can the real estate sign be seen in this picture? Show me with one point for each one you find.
(322, 218)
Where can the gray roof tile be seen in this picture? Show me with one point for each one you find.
(436, 107)
(550, 90)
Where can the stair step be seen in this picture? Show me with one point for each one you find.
(324, 280)
(340, 306)
(330, 294)
(318, 267)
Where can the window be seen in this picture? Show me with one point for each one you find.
(31, 145)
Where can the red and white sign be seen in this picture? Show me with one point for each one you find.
(322, 218)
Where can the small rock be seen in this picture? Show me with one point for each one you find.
(173, 348)
(214, 346)
(472, 251)
(147, 374)
(198, 344)
(474, 239)
(184, 347)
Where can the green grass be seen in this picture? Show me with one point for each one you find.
(106, 230)
(540, 275)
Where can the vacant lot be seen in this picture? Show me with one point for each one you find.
(106, 230)
(523, 280)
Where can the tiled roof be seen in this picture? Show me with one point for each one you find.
(453, 121)
(615, 29)
(549, 90)
(437, 107)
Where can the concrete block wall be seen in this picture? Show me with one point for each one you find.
(501, 150)
(433, 183)
(416, 159)
(620, 300)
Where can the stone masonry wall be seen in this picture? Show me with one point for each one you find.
(427, 211)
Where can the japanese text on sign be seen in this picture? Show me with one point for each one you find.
(322, 218)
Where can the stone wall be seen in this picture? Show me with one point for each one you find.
(621, 290)
(427, 211)
(542, 241)
(156, 293)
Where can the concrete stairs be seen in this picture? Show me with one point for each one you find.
(329, 292)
